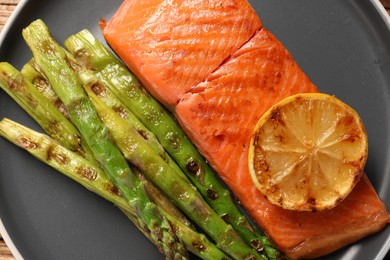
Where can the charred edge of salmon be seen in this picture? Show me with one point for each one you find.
(321, 246)
(102, 24)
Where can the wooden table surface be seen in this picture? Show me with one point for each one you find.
(6, 8)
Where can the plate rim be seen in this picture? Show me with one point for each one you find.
(382, 11)
(3, 34)
(11, 20)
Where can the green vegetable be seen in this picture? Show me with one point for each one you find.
(42, 110)
(32, 73)
(91, 176)
(139, 152)
(92, 84)
(52, 61)
(96, 57)
(94, 179)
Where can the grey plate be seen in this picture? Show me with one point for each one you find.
(344, 47)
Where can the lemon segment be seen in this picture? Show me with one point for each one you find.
(307, 152)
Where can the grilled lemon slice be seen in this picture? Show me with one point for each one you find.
(307, 152)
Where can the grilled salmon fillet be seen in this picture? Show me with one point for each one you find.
(215, 66)
(189, 47)
(219, 116)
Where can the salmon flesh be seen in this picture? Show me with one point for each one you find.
(214, 65)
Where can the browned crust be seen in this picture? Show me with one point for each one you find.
(328, 243)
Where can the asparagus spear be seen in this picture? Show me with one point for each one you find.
(32, 73)
(94, 179)
(42, 110)
(51, 59)
(68, 163)
(92, 84)
(99, 183)
(161, 200)
(139, 152)
(62, 159)
(195, 242)
(93, 55)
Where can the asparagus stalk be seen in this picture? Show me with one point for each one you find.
(42, 110)
(139, 152)
(32, 73)
(94, 179)
(68, 163)
(161, 200)
(63, 160)
(95, 56)
(52, 60)
(92, 84)
(197, 243)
